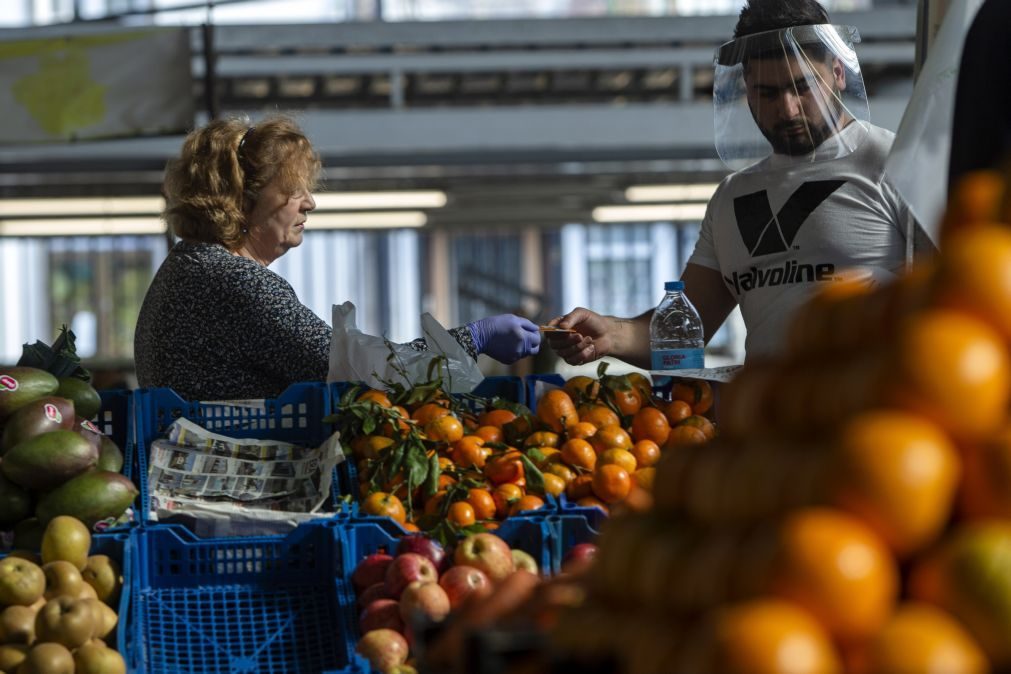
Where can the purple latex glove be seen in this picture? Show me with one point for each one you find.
(505, 337)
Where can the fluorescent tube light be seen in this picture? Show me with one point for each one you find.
(698, 192)
(653, 213)
(13, 208)
(366, 220)
(337, 201)
(81, 226)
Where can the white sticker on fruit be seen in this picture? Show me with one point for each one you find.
(8, 383)
(53, 414)
(87, 425)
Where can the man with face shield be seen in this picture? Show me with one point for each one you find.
(808, 200)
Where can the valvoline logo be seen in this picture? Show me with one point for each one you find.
(8, 383)
(52, 413)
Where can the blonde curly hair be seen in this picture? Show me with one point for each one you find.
(215, 182)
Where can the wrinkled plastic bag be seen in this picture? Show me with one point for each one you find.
(356, 356)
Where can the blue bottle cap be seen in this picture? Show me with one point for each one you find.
(673, 285)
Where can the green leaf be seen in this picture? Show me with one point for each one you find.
(535, 478)
(368, 424)
(432, 480)
(417, 467)
(536, 455)
(514, 407)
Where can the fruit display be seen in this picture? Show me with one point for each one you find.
(853, 514)
(53, 460)
(448, 465)
(57, 605)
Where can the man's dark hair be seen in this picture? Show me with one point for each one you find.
(758, 16)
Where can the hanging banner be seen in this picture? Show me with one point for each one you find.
(91, 86)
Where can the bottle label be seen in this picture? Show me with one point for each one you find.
(678, 359)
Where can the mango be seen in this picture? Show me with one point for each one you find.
(48, 413)
(90, 497)
(21, 385)
(109, 456)
(87, 402)
(15, 503)
(48, 460)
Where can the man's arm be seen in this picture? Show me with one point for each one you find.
(705, 289)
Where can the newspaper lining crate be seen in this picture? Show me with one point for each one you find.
(295, 416)
(266, 604)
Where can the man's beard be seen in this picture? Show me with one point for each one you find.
(800, 137)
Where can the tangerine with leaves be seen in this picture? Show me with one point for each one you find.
(444, 429)
(646, 453)
(561, 470)
(618, 457)
(401, 426)
(581, 431)
(497, 418)
(582, 388)
(374, 396)
(489, 433)
(701, 423)
(433, 506)
(599, 415)
(556, 410)
(698, 393)
(554, 484)
(461, 514)
(468, 452)
(526, 503)
(504, 496)
(611, 483)
(649, 423)
(627, 401)
(580, 487)
(676, 411)
(429, 412)
(611, 437)
(384, 504)
(482, 502)
(507, 467)
(579, 454)
(542, 439)
(681, 436)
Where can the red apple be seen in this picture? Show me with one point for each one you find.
(424, 546)
(524, 561)
(371, 593)
(579, 557)
(460, 582)
(488, 553)
(384, 649)
(371, 570)
(407, 568)
(381, 614)
(424, 602)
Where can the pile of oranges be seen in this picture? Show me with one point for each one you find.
(435, 463)
(855, 512)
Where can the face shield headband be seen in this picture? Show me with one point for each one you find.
(790, 96)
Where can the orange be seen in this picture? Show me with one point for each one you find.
(696, 392)
(434, 504)
(646, 453)
(611, 483)
(384, 504)
(429, 412)
(617, 457)
(580, 487)
(954, 369)
(374, 396)
(681, 436)
(468, 452)
(446, 464)
(562, 471)
(445, 481)
(974, 200)
(504, 468)
(702, 424)
(504, 496)
(645, 477)
(582, 388)
(401, 426)
(611, 437)
(898, 473)
(833, 565)
(581, 431)
(556, 410)
(528, 502)
(579, 454)
(599, 415)
(461, 514)
(489, 433)
(641, 384)
(444, 429)
(370, 446)
(986, 481)
(974, 275)
(550, 455)
(542, 439)
(497, 418)
(591, 502)
(649, 423)
(627, 402)
(483, 503)
(768, 636)
(676, 411)
(554, 484)
(923, 638)
(410, 527)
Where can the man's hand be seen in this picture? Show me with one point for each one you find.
(505, 337)
(591, 340)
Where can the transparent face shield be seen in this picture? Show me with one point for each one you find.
(795, 95)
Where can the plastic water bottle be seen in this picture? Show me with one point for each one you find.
(675, 332)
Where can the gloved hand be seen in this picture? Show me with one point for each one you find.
(505, 337)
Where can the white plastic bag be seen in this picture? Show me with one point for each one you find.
(356, 356)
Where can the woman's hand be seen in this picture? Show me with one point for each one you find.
(506, 337)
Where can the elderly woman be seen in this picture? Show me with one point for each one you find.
(216, 323)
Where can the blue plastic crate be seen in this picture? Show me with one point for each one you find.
(240, 605)
(116, 419)
(295, 416)
(574, 525)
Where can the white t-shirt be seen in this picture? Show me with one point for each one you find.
(777, 230)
